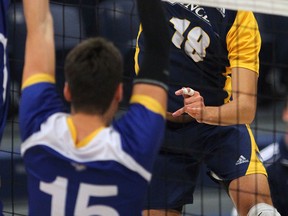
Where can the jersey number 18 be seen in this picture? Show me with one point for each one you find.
(196, 42)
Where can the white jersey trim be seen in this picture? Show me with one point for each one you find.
(55, 134)
(3, 41)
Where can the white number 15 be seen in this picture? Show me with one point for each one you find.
(58, 190)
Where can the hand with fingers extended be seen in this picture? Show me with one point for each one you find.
(193, 104)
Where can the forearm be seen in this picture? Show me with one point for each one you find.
(37, 14)
(39, 52)
(152, 79)
(242, 109)
(235, 112)
(154, 67)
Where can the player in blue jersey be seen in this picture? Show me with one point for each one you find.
(215, 52)
(86, 163)
(4, 75)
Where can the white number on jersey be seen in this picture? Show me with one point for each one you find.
(58, 190)
(197, 40)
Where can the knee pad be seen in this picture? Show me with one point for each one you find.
(263, 209)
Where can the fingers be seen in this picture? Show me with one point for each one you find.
(193, 103)
(178, 112)
(185, 91)
(195, 112)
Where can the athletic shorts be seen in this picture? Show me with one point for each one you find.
(228, 151)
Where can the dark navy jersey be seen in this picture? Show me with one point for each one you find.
(4, 75)
(107, 173)
(206, 44)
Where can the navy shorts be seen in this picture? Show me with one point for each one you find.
(228, 151)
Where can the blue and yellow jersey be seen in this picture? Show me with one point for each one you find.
(206, 44)
(107, 173)
(4, 73)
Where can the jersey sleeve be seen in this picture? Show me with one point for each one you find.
(244, 42)
(142, 129)
(39, 100)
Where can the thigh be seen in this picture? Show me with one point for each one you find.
(233, 152)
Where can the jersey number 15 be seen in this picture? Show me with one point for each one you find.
(58, 190)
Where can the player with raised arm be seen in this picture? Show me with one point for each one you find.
(214, 56)
(86, 163)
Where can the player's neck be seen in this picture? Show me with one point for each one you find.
(86, 124)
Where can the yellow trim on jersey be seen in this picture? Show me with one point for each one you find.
(137, 51)
(149, 103)
(73, 132)
(72, 129)
(87, 139)
(228, 88)
(244, 42)
(255, 166)
(37, 78)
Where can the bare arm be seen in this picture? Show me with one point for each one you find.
(39, 53)
(241, 110)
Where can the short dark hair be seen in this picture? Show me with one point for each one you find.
(93, 70)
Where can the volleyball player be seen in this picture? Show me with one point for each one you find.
(84, 163)
(4, 75)
(215, 52)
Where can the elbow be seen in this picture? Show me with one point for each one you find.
(249, 120)
(248, 113)
(247, 105)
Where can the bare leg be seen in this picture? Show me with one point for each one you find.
(249, 190)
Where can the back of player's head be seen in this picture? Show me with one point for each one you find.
(93, 70)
